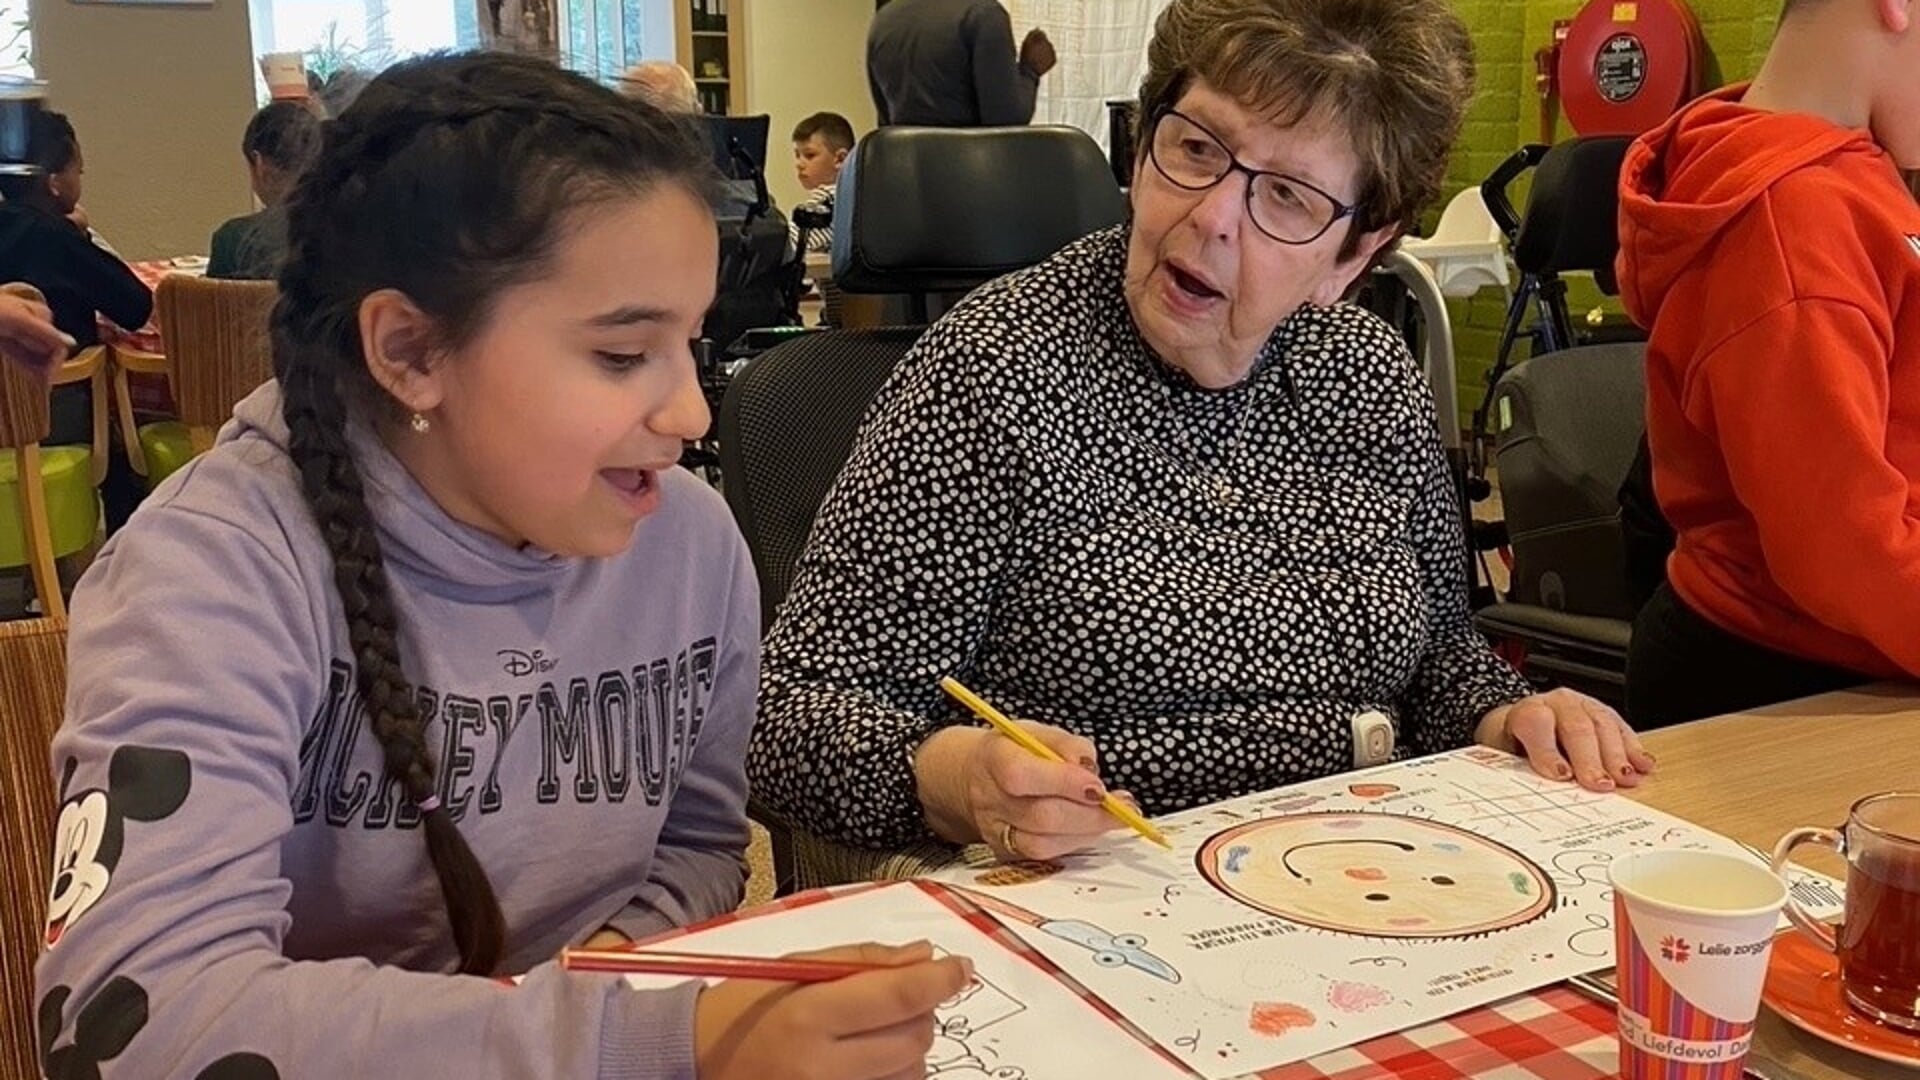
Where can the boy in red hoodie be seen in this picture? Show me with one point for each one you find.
(1769, 245)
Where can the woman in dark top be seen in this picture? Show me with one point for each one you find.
(1165, 494)
(44, 248)
(278, 143)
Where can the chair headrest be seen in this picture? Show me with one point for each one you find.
(1571, 221)
(730, 136)
(946, 209)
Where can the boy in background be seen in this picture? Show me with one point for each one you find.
(821, 144)
(1772, 251)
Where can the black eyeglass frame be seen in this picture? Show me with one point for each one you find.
(1341, 210)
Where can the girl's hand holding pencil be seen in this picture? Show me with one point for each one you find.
(872, 1020)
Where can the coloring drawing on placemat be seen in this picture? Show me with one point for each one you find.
(1293, 922)
(1378, 875)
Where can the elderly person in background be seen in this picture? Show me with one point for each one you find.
(1165, 496)
(663, 83)
(279, 141)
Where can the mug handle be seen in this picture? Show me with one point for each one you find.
(1805, 923)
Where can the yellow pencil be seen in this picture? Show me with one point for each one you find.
(1127, 815)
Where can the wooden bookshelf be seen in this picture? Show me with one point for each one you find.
(713, 45)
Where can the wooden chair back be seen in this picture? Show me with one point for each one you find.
(33, 686)
(218, 348)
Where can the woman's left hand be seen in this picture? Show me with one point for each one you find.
(1569, 736)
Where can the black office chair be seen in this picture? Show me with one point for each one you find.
(1571, 225)
(1122, 114)
(787, 424)
(739, 144)
(1568, 426)
(919, 211)
(928, 211)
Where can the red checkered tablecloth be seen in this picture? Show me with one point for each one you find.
(1553, 1034)
(149, 394)
(145, 338)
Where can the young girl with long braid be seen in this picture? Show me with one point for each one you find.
(435, 664)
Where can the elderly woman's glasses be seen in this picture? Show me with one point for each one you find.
(1286, 208)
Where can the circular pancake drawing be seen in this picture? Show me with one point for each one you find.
(1376, 875)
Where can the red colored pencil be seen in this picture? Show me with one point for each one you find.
(703, 966)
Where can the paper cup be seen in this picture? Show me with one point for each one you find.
(1692, 933)
(286, 74)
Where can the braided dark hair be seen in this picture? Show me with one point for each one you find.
(449, 180)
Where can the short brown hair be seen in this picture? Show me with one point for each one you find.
(833, 129)
(1397, 74)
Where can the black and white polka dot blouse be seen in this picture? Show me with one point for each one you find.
(1210, 585)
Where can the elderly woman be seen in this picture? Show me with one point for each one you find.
(1165, 494)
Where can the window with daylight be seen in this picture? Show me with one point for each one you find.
(361, 37)
(16, 39)
(599, 38)
(602, 38)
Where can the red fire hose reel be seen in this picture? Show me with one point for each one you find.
(1627, 65)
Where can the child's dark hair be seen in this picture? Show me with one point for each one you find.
(51, 141)
(833, 129)
(285, 133)
(450, 179)
(51, 145)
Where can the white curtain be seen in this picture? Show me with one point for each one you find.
(1103, 55)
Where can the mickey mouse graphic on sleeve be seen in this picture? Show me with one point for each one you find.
(107, 1024)
(143, 784)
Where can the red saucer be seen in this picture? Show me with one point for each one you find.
(1803, 986)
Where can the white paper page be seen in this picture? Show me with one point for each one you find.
(1294, 922)
(1015, 1022)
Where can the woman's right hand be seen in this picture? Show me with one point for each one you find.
(977, 785)
(873, 1026)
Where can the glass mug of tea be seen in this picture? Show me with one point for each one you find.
(1878, 940)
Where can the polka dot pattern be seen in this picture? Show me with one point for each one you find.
(1207, 584)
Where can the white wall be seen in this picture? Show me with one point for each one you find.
(803, 57)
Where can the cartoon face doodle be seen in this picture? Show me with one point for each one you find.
(143, 784)
(950, 1051)
(1377, 875)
